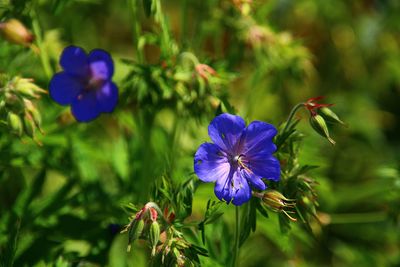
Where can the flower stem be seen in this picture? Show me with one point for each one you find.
(136, 31)
(291, 115)
(44, 57)
(237, 236)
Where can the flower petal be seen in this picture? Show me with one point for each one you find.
(107, 97)
(225, 130)
(241, 192)
(265, 165)
(101, 64)
(257, 138)
(63, 88)
(223, 186)
(74, 61)
(210, 163)
(253, 179)
(85, 107)
(234, 188)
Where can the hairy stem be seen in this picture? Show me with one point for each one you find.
(44, 57)
(291, 115)
(136, 30)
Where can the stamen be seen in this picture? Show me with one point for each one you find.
(241, 164)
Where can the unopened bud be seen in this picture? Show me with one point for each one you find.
(15, 123)
(35, 114)
(135, 230)
(274, 199)
(330, 116)
(2, 104)
(29, 125)
(154, 235)
(319, 125)
(181, 243)
(14, 31)
(153, 214)
(27, 88)
(277, 202)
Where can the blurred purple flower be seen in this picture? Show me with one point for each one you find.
(85, 83)
(238, 159)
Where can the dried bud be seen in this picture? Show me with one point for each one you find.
(330, 116)
(15, 123)
(319, 125)
(154, 236)
(14, 31)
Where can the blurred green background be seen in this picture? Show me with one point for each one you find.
(59, 201)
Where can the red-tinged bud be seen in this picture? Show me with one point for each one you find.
(14, 31)
(171, 217)
(204, 71)
(312, 105)
(153, 214)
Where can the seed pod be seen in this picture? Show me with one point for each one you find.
(134, 232)
(329, 115)
(154, 235)
(15, 123)
(14, 31)
(319, 125)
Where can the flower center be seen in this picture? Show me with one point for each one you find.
(94, 83)
(240, 161)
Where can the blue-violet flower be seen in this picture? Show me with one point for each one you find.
(85, 83)
(239, 158)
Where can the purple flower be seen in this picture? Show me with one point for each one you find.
(85, 83)
(238, 159)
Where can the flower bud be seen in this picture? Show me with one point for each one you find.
(153, 214)
(27, 88)
(277, 202)
(2, 104)
(274, 199)
(330, 116)
(29, 125)
(319, 125)
(135, 230)
(36, 116)
(14, 31)
(154, 235)
(15, 123)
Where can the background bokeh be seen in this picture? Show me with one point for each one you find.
(59, 202)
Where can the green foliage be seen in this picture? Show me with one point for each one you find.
(178, 64)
